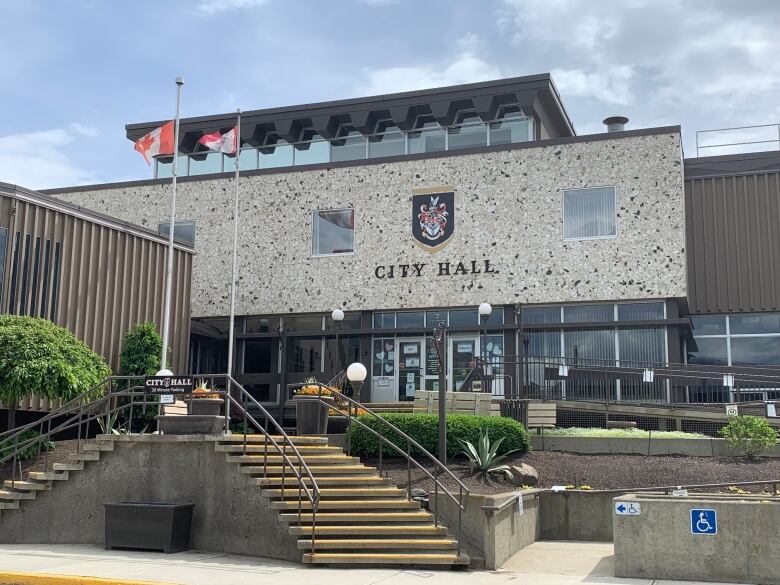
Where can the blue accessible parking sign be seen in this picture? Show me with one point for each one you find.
(704, 521)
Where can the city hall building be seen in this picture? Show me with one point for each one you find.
(412, 209)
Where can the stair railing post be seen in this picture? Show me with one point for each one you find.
(409, 468)
(107, 427)
(243, 399)
(49, 460)
(460, 516)
(227, 404)
(284, 464)
(381, 450)
(349, 431)
(436, 490)
(314, 505)
(265, 447)
(300, 489)
(78, 442)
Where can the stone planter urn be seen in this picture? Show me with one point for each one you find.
(207, 406)
(311, 414)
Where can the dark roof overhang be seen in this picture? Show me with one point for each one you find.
(534, 94)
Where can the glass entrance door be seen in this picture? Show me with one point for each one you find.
(462, 351)
(410, 367)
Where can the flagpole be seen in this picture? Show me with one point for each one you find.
(231, 335)
(171, 228)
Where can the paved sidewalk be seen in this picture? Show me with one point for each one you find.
(543, 563)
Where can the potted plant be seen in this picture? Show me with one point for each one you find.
(312, 406)
(205, 402)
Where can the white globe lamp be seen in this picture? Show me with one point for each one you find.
(484, 310)
(356, 374)
(337, 315)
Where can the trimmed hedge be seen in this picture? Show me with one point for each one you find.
(424, 428)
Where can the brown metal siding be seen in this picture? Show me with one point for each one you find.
(733, 240)
(109, 279)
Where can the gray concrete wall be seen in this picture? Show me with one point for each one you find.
(576, 515)
(709, 447)
(493, 537)
(508, 210)
(230, 515)
(658, 543)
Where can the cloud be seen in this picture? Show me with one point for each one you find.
(464, 68)
(611, 85)
(211, 7)
(39, 160)
(82, 130)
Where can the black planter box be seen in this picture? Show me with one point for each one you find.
(150, 526)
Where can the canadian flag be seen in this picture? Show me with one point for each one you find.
(225, 143)
(158, 141)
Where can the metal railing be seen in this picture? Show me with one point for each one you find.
(739, 136)
(89, 407)
(354, 411)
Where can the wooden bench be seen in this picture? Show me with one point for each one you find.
(542, 415)
(477, 403)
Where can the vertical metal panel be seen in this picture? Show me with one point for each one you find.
(733, 240)
(109, 280)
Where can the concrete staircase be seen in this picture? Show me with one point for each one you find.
(363, 519)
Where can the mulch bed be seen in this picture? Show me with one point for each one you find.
(42, 463)
(601, 471)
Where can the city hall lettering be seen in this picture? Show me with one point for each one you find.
(436, 269)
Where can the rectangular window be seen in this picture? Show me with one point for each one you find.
(755, 351)
(261, 324)
(317, 150)
(351, 147)
(753, 324)
(3, 249)
(428, 140)
(304, 323)
(36, 273)
(46, 279)
(510, 131)
(384, 320)
(55, 281)
(258, 356)
(25, 270)
(410, 319)
(589, 213)
(433, 318)
(304, 355)
(709, 325)
(642, 344)
(538, 315)
(640, 311)
(588, 313)
(383, 359)
(183, 232)
(333, 232)
(464, 318)
(590, 344)
(709, 351)
(469, 135)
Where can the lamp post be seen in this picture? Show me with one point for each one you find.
(440, 342)
(338, 317)
(356, 374)
(485, 309)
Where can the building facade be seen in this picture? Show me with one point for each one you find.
(409, 210)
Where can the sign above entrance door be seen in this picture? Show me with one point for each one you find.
(433, 217)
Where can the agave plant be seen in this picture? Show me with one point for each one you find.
(484, 459)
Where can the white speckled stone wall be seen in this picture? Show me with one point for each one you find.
(508, 210)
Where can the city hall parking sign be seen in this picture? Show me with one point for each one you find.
(433, 218)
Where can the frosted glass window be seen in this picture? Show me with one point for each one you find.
(589, 213)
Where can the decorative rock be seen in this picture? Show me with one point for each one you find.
(523, 474)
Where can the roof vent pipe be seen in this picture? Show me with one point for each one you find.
(616, 123)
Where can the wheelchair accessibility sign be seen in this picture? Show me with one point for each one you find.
(704, 521)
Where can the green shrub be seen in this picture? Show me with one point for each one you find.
(41, 358)
(28, 452)
(749, 436)
(424, 428)
(141, 351)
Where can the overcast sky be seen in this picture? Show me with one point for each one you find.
(75, 72)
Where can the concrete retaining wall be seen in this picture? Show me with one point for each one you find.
(709, 447)
(659, 544)
(230, 515)
(576, 515)
(492, 536)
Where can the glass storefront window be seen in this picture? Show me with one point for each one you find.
(588, 313)
(258, 356)
(464, 318)
(277, 155)
(304, 323)
(304, 354)
(212, 356)
(205, 164)
(640, 311)
(351, 147)
(315, 151)
(544, 343)
(590, 344)
(390, 143)
(642, 344)
(754, 351)
(709, 325)
(753, 324)
(384, 320)
(333, 232)
(433, 318)
(383, 357)
(539, 315)
(339, 356)
(410, 319)
(261, 325)
(709, 351)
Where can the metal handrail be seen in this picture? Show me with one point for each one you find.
(410, 442)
